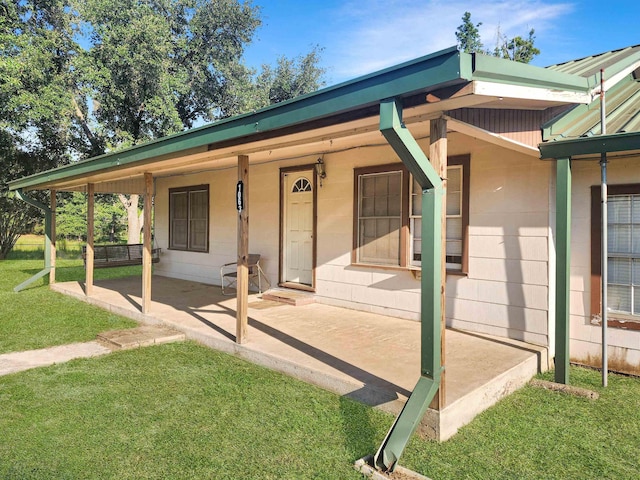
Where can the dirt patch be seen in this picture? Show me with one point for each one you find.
(569, 389)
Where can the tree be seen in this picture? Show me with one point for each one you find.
(468, 35)
(139, 71)
(291, 77)
(517, 48)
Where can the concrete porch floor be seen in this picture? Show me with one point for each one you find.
(369, 357)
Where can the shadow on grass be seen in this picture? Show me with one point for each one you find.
(359, 434)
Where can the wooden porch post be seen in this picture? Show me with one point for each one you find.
(146, 239)
(438, 158)
(242, 291)
(88, 286)
(52, 272)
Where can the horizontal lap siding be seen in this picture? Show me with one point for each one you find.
(506, 292)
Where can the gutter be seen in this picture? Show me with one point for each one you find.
(443, 68)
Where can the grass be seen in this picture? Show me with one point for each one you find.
(537, 434)
(38, 317)
(177, 411)
(184, 411)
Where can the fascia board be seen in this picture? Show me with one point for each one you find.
(438, 69)
(525, 92)
(504, 71)
(619, 142)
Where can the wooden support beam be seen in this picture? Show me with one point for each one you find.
(438, 158)
(52, 273)
(88, 284)
(242, 291)
(146, 243)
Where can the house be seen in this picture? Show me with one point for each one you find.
(335, 209)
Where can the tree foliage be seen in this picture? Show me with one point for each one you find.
(518, 49)
(79, 78)
(468, 35)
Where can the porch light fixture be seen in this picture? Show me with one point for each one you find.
(320, 170)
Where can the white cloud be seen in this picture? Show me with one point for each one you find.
(370, 35)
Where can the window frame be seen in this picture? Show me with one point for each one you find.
(406, 236)
(615, 319)
(189, 189)
(404, 212)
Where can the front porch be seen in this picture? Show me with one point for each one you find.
(372, 358)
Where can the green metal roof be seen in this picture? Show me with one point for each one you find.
(622, 99)
(613, 62)
(438, 70)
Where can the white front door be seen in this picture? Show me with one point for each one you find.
(298, 227)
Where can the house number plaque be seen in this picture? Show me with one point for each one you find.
(240, 196)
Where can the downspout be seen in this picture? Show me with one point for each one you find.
(604, 232)
(425, 390)
(47, 239)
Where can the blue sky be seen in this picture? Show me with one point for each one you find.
(362, 36)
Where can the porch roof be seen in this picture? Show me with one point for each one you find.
(455, 78)
(622, 88)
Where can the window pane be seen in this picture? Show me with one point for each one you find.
(416, 198)
(198, 205)
(619, 238)
(367, 207)
(619, 270)
(619, 209)
(179, 234)
(368, 184)
(198, 235)
(619, 298)
(179, 202)
(636, 300)
(454, 191)
(635, 209)
(379, 223)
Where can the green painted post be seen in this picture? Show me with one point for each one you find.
(563, 264)
(425, 390)
(47, 242)
(431, 283)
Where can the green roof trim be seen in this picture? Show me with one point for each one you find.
(617, 142)
(498, 70)
(440, 69)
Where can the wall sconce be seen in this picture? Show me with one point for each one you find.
(320, 170)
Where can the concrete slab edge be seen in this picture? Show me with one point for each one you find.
(459, 413)
(363, 466)
(373, 396)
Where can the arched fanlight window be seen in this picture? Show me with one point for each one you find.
(301, 185)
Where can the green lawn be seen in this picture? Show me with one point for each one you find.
(177, 411)
(185, 411)
(38, 317)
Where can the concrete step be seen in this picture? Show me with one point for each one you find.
(140, 337)
(290, 297)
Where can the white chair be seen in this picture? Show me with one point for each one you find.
(229, 275)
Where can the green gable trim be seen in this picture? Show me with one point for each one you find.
(618, 142)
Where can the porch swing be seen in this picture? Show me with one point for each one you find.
(106, 256)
